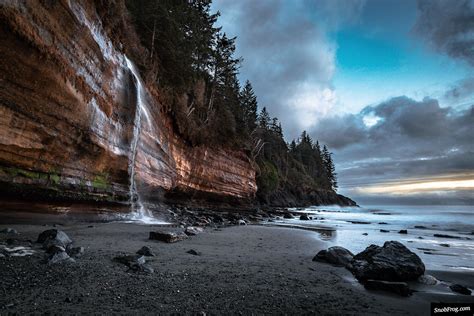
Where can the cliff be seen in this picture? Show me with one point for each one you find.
(78, 122)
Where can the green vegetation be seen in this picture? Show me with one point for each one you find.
(100, 181)
(193, 61)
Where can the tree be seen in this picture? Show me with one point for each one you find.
(330, 169)
(249, 106)
(264, 119)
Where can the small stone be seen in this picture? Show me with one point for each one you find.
(167, 236)
(193, 231)
(420, 227)
(68, 300)
(400, 288)
(365, 234)
(427, 279)
(383, 223)
(384, 231)
(241, 222)
(75, 252)
(193, 252)
(9, 231)
(146, 251)
(444, 245)
(461, 289)
(304, 217)
(403, 231)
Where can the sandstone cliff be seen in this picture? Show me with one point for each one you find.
(76, 120)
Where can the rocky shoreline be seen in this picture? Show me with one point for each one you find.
(208, 263)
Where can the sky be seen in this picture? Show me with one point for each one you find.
(388, 85)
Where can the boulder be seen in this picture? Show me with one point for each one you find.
(288, 216)
(384, 231)
(444, 245)
(403, 231)
(168, 236)
(383, 223)
(54, 237)
(335, 255)
(392, 262)
(304, 217)
(193, 231)
(461, 289)
(365, 234)
(134, 263)
(400, 288)
(241, 222)
(145, 251)
(420, 227)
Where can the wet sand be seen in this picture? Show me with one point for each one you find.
(244, 269)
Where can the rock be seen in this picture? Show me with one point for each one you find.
(420, 227)
(304, 217)
(193, 252)
(383, 223)
(9, 231)
(59, 257)
(75, 252)
(335, 255)
(444, 245)
(403, 231)
(365, 234)
(427, 279)
(288, 216)
(54, 237)
(419, 237)
(384, 231)
(145, 251)
(400, 288)
(54, 249)
(392, 262)
(446, 236)
(359, 222)
(168, 236)
(461, 289)
(241, 222)
(134, 263)
(193, 231)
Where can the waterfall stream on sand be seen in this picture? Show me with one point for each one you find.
(139, 211)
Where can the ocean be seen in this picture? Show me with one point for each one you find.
(355, 228)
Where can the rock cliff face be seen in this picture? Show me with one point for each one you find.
(76, 120)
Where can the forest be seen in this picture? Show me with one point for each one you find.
(188, 54)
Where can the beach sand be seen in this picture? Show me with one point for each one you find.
(241, 270)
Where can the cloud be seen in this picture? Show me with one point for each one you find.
(448, 26)
(287, 55)
(410, 138)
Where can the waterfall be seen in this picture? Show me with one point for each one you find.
(139, 211)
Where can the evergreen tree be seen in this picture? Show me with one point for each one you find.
(264, 119)
(249, 106)
(330, 169)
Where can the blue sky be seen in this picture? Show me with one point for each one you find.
(387, 84)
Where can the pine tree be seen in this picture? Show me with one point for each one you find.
(264, 119)
(329, 168)
(249, 106)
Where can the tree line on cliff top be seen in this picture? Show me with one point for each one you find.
(197, 69)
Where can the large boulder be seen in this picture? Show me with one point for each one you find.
(392, 262)
(336, 255)
(54, 238)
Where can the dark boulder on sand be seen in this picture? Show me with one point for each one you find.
(335, 255)
(400, 288)
(288, 216)
(193, 252)
(392, 262)
(403, 231)
(461, 289)
(54, 237)
(168, 236)
(134, 263)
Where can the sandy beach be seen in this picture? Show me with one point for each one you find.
(240, 270)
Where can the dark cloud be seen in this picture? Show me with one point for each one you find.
(448, 26)
(462, 90)
(287, 56)
(411, 138)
